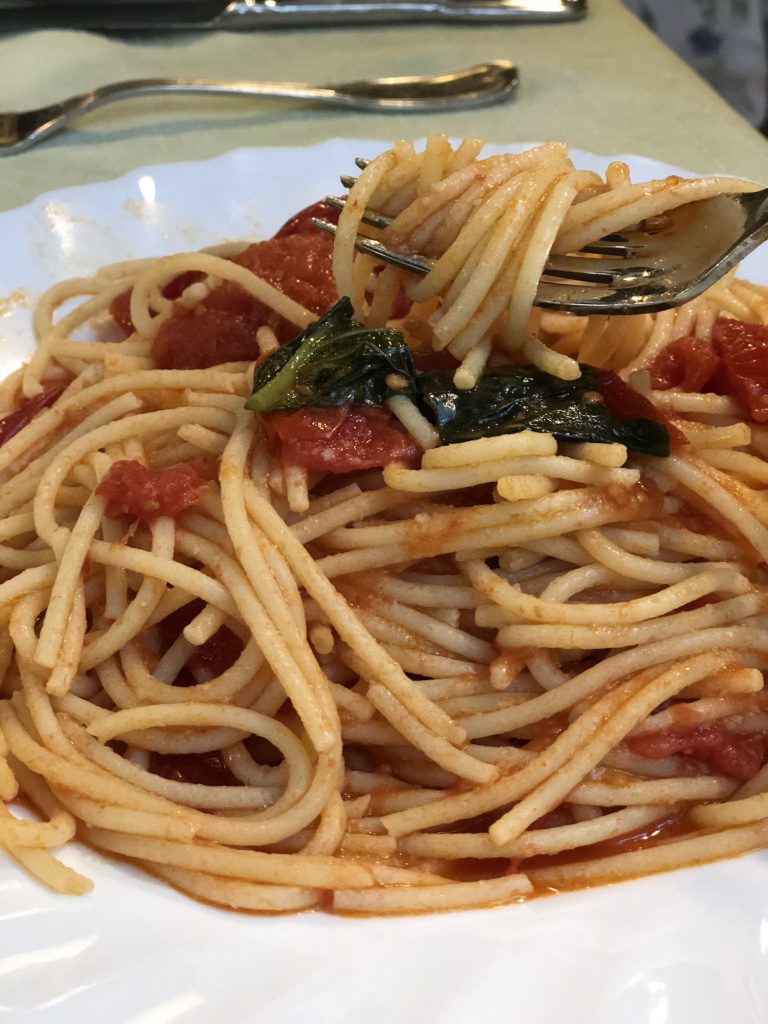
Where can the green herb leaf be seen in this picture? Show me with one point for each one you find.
(334, 362)
(508, 399)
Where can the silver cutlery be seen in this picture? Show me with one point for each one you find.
(476, 86)
(636, 271)
(18, 15)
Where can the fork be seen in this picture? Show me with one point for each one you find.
(491, 82)
(645, 270)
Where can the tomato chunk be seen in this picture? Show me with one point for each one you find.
(120, 309)
(441, 359)
(341, 439)
(734, 363)
(13, 422)
(737, 755)
(743, 350)
(298, 265)
(687, 363)
(194, 340)
(301, 223)
(223, 327)
(136, 490)
(625, 403)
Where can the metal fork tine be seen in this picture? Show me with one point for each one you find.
(566, 268)
(614, 245)
(611, 249)
(417, 264)
(617, 272)
(376, 220)
(611, 245)
(626, 272)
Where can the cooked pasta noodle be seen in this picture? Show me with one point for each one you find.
(519, 663)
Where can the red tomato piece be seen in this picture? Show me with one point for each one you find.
(297, 261)
(622, 400)
(341, 439)
(136, 490)
(625, 403)
(299, 265)
(687, 363)
(194, 340)
(426, 362)
(401, 307)
(120, 310)
(13, 422)
(737, 755)
(743, 350)
(301, 223)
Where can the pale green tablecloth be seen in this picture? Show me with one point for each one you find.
(604, 84)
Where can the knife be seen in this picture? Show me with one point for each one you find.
(17, 15)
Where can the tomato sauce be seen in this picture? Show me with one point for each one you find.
(207, 769)
(135, 490)
(736, 755)
(218, 654)
(673, 827)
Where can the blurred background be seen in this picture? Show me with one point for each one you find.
(724, 40)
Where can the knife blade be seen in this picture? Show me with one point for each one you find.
(248, 14)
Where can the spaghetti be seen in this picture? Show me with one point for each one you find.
(330, 655)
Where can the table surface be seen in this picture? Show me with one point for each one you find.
(604, 84)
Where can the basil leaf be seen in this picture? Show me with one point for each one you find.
(508, 399)
(337, 361)
(334, 362)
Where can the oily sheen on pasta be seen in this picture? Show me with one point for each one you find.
(447, 602)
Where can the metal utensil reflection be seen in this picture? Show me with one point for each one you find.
(476, 86)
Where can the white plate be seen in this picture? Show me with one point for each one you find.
(691, 946)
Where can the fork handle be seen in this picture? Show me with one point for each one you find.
(52, 119)
(479, 85)
(58, 115)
